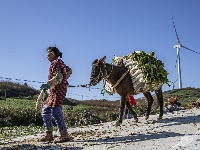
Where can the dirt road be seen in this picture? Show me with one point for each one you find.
(180, 130)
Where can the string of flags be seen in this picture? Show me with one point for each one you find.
(21, 81)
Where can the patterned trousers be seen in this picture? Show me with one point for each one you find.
(53, 112)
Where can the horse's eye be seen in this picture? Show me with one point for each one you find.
(95, 68)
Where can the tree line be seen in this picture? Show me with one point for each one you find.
(10, 89)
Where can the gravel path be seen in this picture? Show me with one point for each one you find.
(180, 130)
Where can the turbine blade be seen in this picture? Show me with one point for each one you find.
(176, 80)
(176, 32)
(190, 49)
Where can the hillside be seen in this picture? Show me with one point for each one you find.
(185, 94)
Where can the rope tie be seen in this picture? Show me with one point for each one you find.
(107, 75)
(122, 77)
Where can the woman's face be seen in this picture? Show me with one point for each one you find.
(50, 56)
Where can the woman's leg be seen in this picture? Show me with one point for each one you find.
(47, 118)
(59, 118)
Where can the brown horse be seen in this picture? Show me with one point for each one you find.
(111, 73)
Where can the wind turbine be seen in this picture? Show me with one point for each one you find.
(178, 46)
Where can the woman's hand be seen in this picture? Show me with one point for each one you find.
(44, 86)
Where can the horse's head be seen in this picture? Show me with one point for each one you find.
(97, 74)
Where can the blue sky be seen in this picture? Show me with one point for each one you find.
(85, 30)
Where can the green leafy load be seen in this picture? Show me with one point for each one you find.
(152, 68)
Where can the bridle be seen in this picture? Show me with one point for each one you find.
(106, 73)
(101, 74)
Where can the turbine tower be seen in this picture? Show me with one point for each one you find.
(178, 46)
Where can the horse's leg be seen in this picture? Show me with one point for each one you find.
(150, 102)
(121, 112)
(132, 111)
(159, 96)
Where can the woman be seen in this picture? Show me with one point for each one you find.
(57, 85)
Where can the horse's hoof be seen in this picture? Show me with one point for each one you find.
(117, 124)
(136, 120)
(159, 118)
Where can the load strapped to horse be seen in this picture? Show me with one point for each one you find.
(147, 72)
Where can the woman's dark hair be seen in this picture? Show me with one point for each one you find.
(55, 50)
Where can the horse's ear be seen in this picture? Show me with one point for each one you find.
(102, 59)
(94, 62)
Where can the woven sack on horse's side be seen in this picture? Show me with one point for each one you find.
(136, 75)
